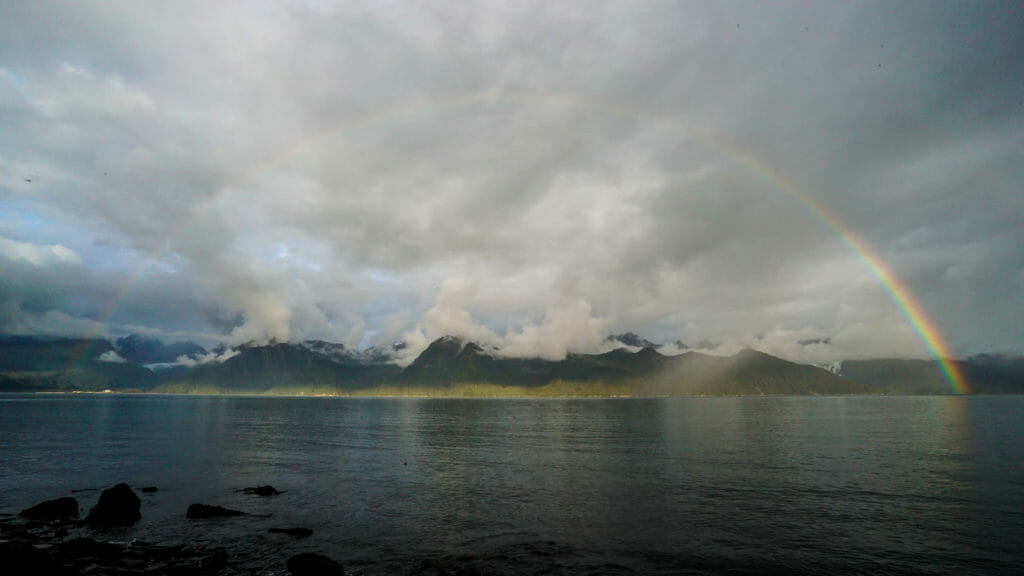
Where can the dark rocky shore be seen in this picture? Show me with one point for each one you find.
(48, 539)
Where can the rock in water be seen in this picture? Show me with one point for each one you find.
(118, 506)
(266, 490)
(310, 564)
(66, 507)
(207, 511)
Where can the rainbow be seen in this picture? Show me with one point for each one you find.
(913, 311)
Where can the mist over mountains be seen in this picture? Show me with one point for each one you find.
(460, 367)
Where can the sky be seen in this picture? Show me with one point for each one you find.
(532, 176)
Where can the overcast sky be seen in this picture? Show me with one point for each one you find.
(530, 175)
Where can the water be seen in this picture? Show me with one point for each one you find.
(909, 485)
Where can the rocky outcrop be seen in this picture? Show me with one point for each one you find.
(29, 546)
(59, 509)
(266, 490)
(118, 506)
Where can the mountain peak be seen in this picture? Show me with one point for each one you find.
(332, 350)
(649, 353)
(632, 340)
(472, 348)
(140, 350)
(452, 359)
(456, 346)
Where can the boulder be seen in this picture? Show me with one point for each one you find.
(149, 489)
(310, 564)
(58, 509)
(118, 506)
(266, 490)
(196, 511)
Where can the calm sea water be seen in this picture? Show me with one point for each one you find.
(909, 485)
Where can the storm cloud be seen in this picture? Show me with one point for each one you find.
(534, 176)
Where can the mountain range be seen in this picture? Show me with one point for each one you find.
(451, 366)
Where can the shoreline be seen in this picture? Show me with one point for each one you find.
(455, 395)
(51, 538)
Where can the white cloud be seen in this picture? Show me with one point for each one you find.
(36, 254)
(569, 328)
(208, 358)
(112, 357)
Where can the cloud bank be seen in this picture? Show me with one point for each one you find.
(531, 176)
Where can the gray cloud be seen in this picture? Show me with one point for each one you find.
(531, 175)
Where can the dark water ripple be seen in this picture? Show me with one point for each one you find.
(901, 486)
